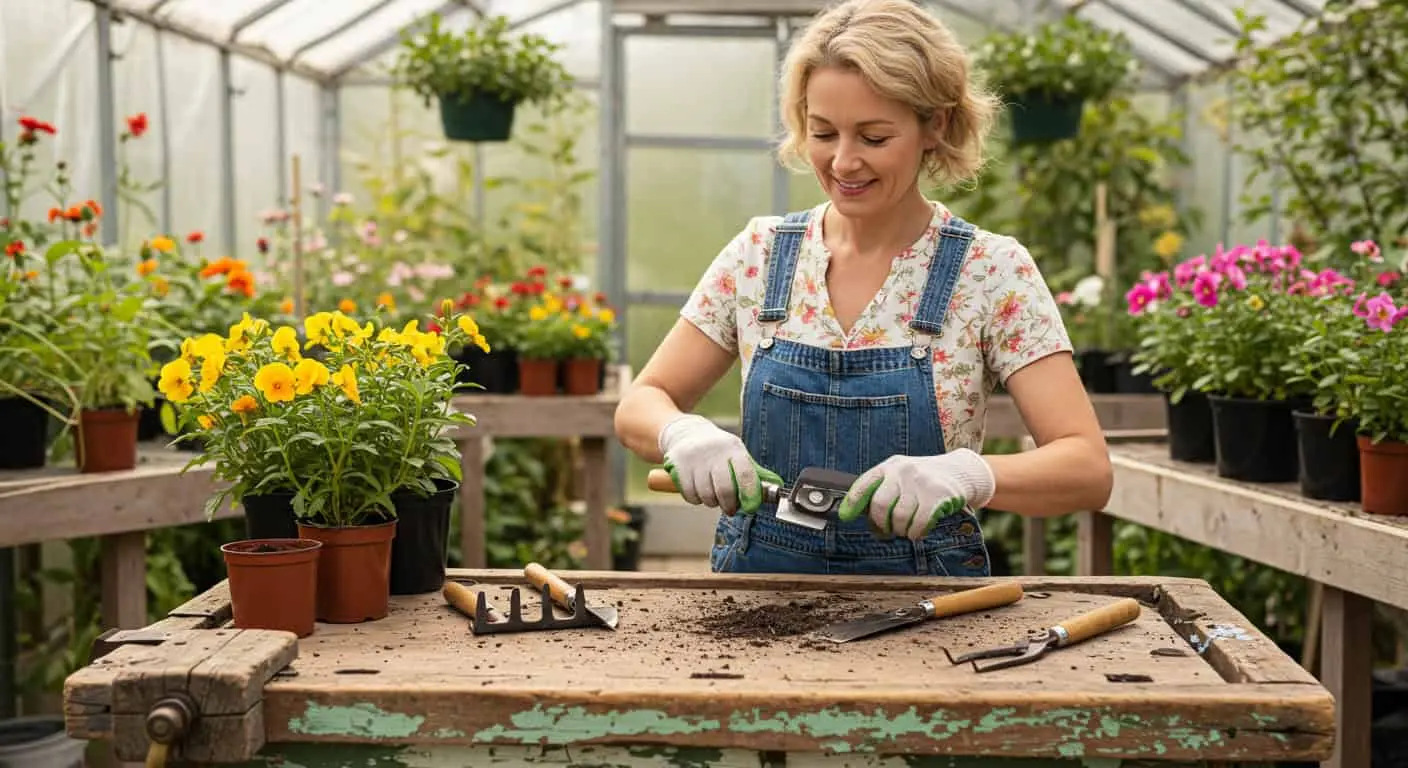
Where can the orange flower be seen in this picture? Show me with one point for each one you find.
(90, 229)
(55, 214)
(286, 306)
(146, 267)
(245, 404)
(347, 306)
(74, 213)
(160, 286)
(241, 282)
(221, 266)
(93, 206)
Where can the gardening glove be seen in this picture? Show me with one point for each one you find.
(907, 495)
(711, 466)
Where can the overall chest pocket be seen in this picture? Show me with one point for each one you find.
(802, 429)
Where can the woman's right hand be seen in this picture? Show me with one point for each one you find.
(711, 466)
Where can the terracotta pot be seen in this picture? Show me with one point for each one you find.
(537, 377)
(107, 439)
(274, 583)
(1383, 476)
(583, 376)
(354, 571)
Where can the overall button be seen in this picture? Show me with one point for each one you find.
(918, 353)
(766, 343)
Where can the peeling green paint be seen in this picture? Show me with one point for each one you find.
(363, 720)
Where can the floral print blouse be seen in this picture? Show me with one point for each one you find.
(1002, 315)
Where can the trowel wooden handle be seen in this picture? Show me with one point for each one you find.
(463, 599)
(562, 592)
(659, 480)
(969, 600)
(1102, 619)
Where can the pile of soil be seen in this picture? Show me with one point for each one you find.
(762, 623)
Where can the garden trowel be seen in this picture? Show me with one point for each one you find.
(937, 607)
(809, 502)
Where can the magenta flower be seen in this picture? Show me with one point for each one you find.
(1205, 288)
(1140, 297)
(1387, 279)
(1379, 313)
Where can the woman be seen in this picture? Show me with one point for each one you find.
(871, 330)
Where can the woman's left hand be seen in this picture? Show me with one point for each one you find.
(907, 495)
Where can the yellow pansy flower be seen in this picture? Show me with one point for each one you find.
(581, 331)
(275, 382)
(244, 404)
(346, 379)
(163, 244)
(607, 316)
(308, 374)
(318, 328)
(1168, 245)
(481, 342)
(537, 314)
(285, 343)
(467, 324)
(205, 422)
(175, 382)
(210, 371)
(209, 344)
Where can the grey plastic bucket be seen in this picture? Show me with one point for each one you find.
(39, 742)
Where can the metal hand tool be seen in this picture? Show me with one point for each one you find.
(939, 606)
(1066, 633)
(810, 501)
(553, 590)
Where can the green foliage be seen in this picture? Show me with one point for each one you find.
(1326, 110)
(1065, 58)
(484, 59)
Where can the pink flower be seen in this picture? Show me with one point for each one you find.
(1379, 312)
(1236, 277)
(1205, 288)
(1387, 279)
(1367, 248)
(1140, 297)
(1064, 297)
(1159, 284)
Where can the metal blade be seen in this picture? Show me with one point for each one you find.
(873, 624)
(607, 614)
(786, 511)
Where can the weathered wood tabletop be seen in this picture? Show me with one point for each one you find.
(709, 669)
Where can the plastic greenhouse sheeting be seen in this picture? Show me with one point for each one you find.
(321, 39)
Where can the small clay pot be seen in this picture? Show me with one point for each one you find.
(582, 376)
(354, 570)
(107, 439)
(274, 583)
(1383, 479)
(537, 377)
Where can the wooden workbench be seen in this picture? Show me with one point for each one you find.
(1357, 558)
(690, 677)
(591, 418)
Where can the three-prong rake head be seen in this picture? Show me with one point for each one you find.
(488, 621)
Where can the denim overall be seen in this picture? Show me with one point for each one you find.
(845, 410)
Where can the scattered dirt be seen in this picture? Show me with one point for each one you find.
(716, 675)
(763, 623)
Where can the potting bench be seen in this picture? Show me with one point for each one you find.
(591, 418)
(716, 670)
(1356, 558)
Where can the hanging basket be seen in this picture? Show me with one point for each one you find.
(1040, 119)
(479, 118)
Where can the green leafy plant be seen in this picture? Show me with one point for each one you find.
(1066, 58)
(1320, 115)
(366, 418)
(483, 59)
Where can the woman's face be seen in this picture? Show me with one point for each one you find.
(866, 149)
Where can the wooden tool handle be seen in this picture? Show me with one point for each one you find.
(1102, 619)
(969, 600)
(463, 599)
(562, 592)
(659, 480)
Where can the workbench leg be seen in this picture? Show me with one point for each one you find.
(124, 582)
(1346, 670)
(596, 485)
(1095, 546)
(473, 552)
(1034, 546)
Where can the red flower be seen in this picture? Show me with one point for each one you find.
(137, 124)
(538, 272)
(33, 125)
(501, 302)
(195, 237)
(14, 249)
(262, 244)
(564, 282)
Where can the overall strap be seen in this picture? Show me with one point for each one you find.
(782, 265)
(955, 237)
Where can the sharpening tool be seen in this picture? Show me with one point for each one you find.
(1066, 633)
(810, 501)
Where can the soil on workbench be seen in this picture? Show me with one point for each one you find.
(763, 623)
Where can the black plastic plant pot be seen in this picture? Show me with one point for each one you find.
(26, 434)
(478, 118)
(1190, 433)
(1256, 439)
(269, 516)
(420, 551)
(1329, 463)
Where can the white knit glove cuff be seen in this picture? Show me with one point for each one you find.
(679, 425)
(972, 473)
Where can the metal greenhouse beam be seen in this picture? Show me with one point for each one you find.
(339, 29)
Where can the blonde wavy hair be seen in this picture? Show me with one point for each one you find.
(906, 54)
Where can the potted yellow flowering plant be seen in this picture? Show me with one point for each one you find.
(358, 441)
(585, 359)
